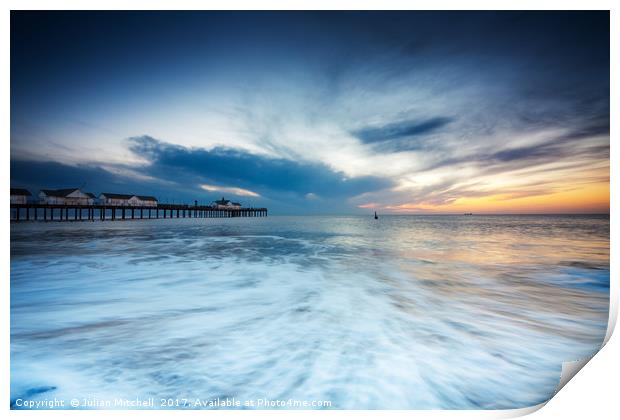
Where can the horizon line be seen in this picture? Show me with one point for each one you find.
(451, 214)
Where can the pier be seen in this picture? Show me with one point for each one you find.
(80, 213)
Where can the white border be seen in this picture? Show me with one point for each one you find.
(593, 394)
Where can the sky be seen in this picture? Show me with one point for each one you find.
(317, 112)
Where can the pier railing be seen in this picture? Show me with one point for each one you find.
(74, 212)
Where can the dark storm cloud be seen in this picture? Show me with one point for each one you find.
(175, 174)
(257, 173)
(402, 135)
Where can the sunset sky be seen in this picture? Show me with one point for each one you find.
(308, 112)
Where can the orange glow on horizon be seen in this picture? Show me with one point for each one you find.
(589, 198)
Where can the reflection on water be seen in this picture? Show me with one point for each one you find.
(403, 312)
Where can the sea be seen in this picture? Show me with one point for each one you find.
(305, 312)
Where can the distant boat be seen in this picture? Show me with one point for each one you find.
(468, 214)
(376, 217)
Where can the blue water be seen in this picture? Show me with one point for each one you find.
(406, 312)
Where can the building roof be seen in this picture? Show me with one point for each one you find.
(20, 191)
(91, 195)
(117, 196)
(146, 197)
(222, 202)
(236, 204)
(59, 193)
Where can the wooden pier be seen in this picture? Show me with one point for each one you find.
(80, 213)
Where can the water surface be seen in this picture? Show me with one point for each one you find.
(443, 312)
